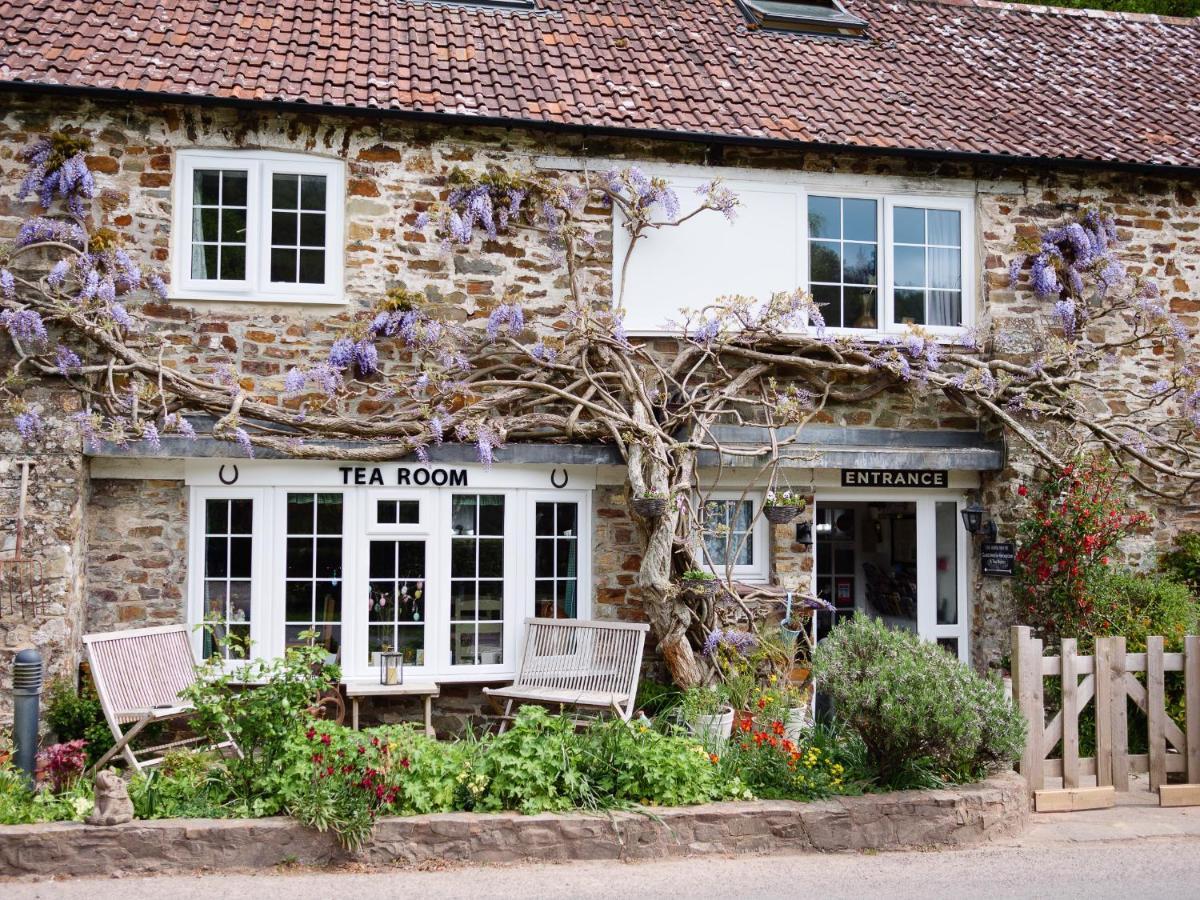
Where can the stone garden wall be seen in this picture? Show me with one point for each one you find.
(972, 814)
(133, 533)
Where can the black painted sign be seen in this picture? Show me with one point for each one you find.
(896, 478)
(997, 558)
(404, 476)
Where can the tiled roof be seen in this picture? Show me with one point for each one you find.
(948, 76)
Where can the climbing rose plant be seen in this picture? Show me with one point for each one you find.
(72, 292)
(1072, 532)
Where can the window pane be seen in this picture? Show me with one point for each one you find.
(204, 261)
(383, 560)
(233, 226)
(567, 513)
(216, 516)
(947, 523)
(824, 217)
(312, 230)
(312, 266)
(945, 308)
(491, 601)
(491, 559)
(300, 513)
(410, 562)
(825, 261)
(283, 228)
(233, 262)
(329, 513)
(462, 600)
(860, 264)
(239, 601)
(329, 557)
(204, 224)
(829, 301)
(944, 227)
(462, 558)
(284, 191)
(910, 267)
(283, 265)
(860, 307)
(385, 512)
(543, 519)
(312, 192)
(909, 225)
(544, 559)
(491, 515)
(860, 219)
(234, 189)
(299, 558)
(216, 557)
(408, 512)
(910, 307)
(241, 516)
(329, 601)
(944, 268)
(239, 557)
(206, 187)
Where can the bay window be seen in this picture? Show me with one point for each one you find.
(257, 225)
(443, 575)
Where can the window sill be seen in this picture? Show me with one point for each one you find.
(190, 296)
(942, 336)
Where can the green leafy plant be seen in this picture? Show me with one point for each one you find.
(262, 719)
(1182, 561)
(914, 705)
(697, 575)
(76, 715)
(531, 766)
(186, 784)
(703, 700)
(21, 805)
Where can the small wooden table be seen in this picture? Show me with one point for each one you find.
(427, 689)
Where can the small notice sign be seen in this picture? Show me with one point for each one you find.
(998, 558)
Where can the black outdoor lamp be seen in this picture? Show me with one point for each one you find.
(972, 517)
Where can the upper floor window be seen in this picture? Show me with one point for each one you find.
(735, 535)
(258, 226)
(875, 260)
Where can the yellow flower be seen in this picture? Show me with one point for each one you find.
(773, 679)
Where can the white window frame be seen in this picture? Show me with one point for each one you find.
(966, 209)
(260, 165)
(260, 555)
(758, 572)
(269, 494)
(887, 191)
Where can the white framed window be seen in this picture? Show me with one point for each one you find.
(736, 535)
(258, 225)
(876, 255)
(930, 264)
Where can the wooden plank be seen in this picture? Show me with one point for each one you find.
(1074, 799)
(1179, 795)
(1053, 767)
(1023, 673)
(1120, 724)
(1070, 715)
(1103, 691)
(1156, 712)
(1037, 711)
(1140, 763)
(1191, 652)
(1084, 665)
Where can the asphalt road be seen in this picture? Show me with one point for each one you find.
(1131, 870)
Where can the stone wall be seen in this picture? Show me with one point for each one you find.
(957, 817)
(397, 169)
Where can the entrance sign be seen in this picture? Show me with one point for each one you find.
(901, 478)
(405, 476)
(997, 559)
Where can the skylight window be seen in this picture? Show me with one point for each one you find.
(808, 16)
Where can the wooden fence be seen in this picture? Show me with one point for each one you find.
(1109, 677)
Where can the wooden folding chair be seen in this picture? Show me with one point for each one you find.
(139, 676)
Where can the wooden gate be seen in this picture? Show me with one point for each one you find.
(1108, 678)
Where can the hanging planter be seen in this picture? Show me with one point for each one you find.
(700, 583)
(650, 506)
(781, 515)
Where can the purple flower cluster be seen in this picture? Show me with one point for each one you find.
(506, 316)
(641, 193)
(8, 285)
(72, 180)
(718, 197)
(24, 325)
(29, 424)
(66, 360)
(741, 642)
(41, 230)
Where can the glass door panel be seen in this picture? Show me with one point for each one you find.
(397, 613)
(477, 580)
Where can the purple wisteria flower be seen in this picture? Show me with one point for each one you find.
(243, 440)
(507, 316)
(67, 360)
(741, 642)
(24, 325)
(8, 284)
(40, 230)
(341, 354)
(294, 381)
(29, 424)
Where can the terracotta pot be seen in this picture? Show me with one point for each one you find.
(799, 674)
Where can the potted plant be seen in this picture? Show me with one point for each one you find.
(798, 702)
(700, 582)
(650, 504)
(780, 508)
(707, 714)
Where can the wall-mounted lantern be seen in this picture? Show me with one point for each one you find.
(973, 520)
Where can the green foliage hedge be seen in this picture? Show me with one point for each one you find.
(919, 711)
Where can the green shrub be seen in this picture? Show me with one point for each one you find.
(1137, 605)
(185, 784)
(77, 715)
(21, 806)
(1182, 562)
(916, 708)
(531, 767)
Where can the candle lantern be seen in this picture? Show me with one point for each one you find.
(391, 668)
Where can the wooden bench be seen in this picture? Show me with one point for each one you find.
(355, 690)
(568, 662)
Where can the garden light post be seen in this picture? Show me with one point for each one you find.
(27, 690)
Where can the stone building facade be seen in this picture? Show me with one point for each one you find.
(116, 530)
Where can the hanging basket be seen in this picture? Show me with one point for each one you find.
(780, 515)
(706, 589)
(649, 507)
